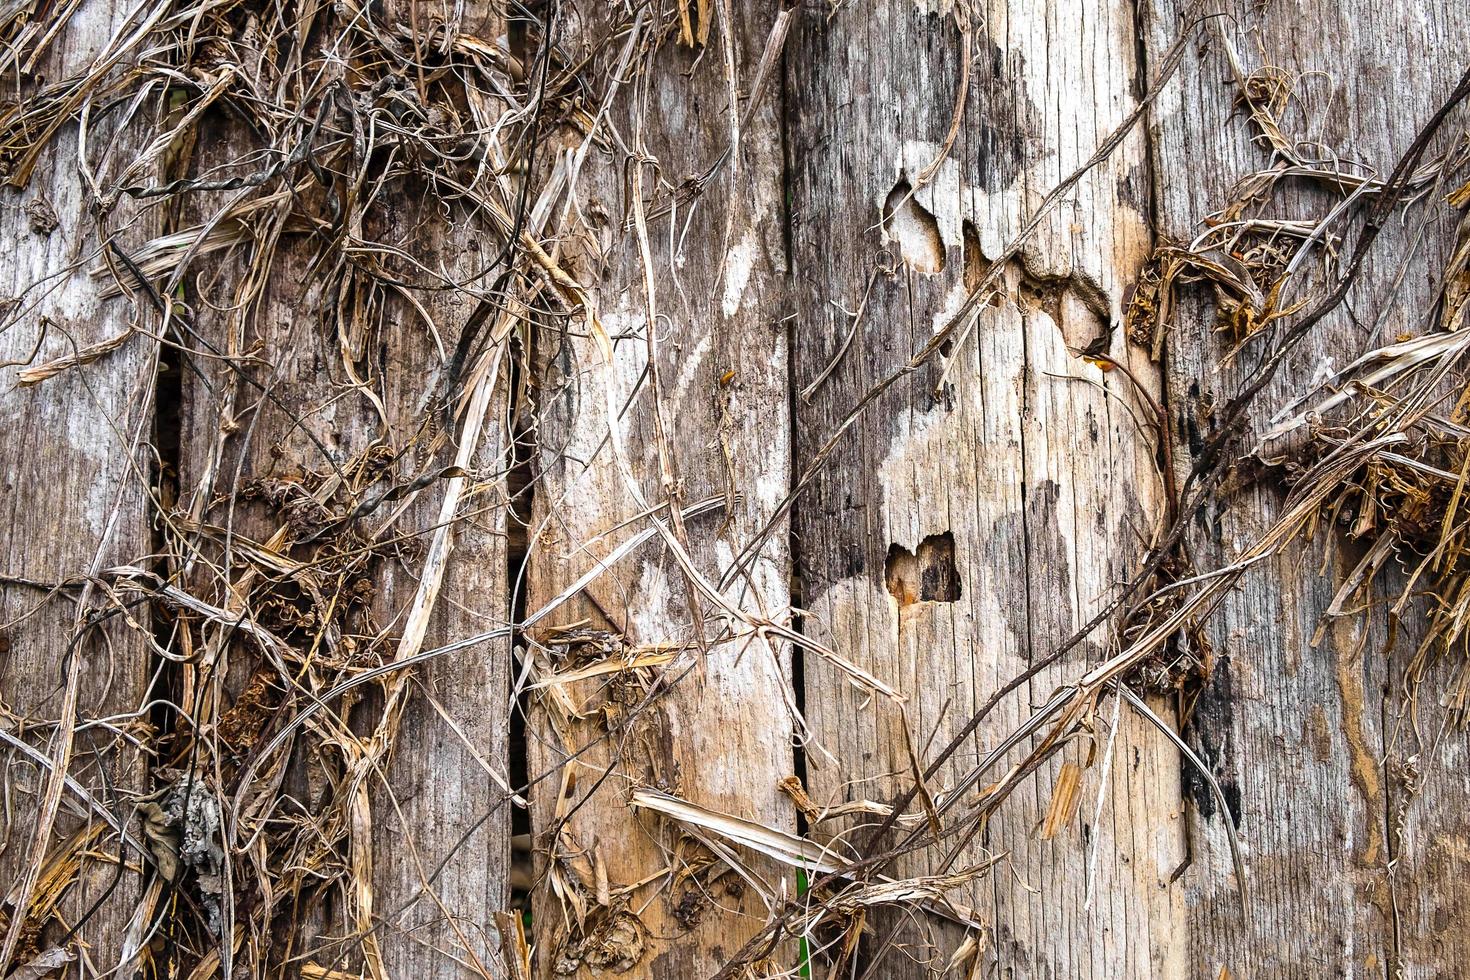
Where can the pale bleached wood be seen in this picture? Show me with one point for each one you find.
(1038, 464)
(1308, 738)
(74, 480)
(719, 735)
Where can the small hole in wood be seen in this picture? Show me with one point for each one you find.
(929, 575)
(977, 266)
(915, 230)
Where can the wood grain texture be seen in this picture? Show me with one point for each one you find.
(1311, 740)
(74, 481)
(349, 382)
(1030, 459)
(719, 734)
(741, 303)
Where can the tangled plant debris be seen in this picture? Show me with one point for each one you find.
(401, 171)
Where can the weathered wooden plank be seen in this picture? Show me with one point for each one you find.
(331, 444)
(1027, 483)
(441, 831)
(706, 417)
(74, 482)
(1309, 739)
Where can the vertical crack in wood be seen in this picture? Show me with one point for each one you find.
(794, 548)
(168, 723)
(521, 494)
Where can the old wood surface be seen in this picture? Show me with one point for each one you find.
(1339, 888)
(351, 384)
(74, 481)
(726, 263)
(1029, 479)
(695, 312)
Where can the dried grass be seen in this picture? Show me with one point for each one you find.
(348, 108)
